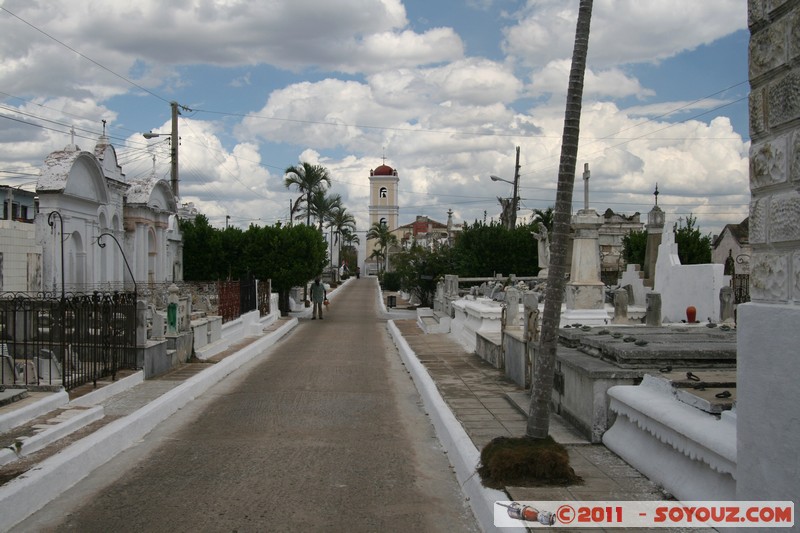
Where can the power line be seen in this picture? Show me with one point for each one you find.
(87, 58)
(339, 124)
(63, 112)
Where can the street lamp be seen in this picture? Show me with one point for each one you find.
(512, 219)
(52, 224)
(173, 155)
(130, 272)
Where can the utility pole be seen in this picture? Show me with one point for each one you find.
(515, 201)
(175, 142)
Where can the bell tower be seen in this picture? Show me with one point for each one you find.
(383, 202)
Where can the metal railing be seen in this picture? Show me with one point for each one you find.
(741, 288)
(69, 340)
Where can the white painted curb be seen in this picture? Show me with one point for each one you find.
(29, 412)
(44, 438)
(462, 453)
(104, 393)
(33, 490)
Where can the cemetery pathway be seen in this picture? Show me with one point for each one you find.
(324, 432)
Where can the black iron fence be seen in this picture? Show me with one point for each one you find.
(73, 339)
(741, 288)
(47, 339)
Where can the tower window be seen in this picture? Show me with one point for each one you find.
(383, 221)
(383, 192)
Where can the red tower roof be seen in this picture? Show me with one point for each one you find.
(384, 170)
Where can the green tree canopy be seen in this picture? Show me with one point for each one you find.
(288, 255)
(202, 249)
(483, 250)
(693, 247)
(634, 247)
(420, 269)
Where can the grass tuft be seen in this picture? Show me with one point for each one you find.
(525, 462)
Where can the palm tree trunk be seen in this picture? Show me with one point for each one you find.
(542, 390)
(308, 223)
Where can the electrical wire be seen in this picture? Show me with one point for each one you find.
(87, 58)
(339, 124)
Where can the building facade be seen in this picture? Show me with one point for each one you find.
(610, 234)
(732, 245)
(85, 204)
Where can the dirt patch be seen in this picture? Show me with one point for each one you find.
(525, 462)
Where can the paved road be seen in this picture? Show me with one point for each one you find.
(325, 432)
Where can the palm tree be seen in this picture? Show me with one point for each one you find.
(307, 178)
(349, 237)
(544, 217)
(341, 221)
(323, 206)
(385, 239)
(379, 255)
(538, 425)
(349, 240)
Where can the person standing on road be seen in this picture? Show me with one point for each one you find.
(318, 296)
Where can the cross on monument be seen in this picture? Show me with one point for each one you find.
(586, 175)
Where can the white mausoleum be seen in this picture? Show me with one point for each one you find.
(83, 197)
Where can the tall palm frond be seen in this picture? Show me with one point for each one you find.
(307, 179)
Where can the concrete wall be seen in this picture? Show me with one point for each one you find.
(584, 402)
(20, 257)
(768, 434)
(515, 356)
(487, 347)
(684, 285)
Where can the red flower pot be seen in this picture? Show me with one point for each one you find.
(691, 314)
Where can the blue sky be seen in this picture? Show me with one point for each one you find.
(445, 90)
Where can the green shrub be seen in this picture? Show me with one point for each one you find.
(391, 281)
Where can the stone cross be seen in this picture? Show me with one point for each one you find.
(586, 175)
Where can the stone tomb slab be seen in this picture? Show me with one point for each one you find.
(659, 347)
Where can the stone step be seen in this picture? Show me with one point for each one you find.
(9, 395)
